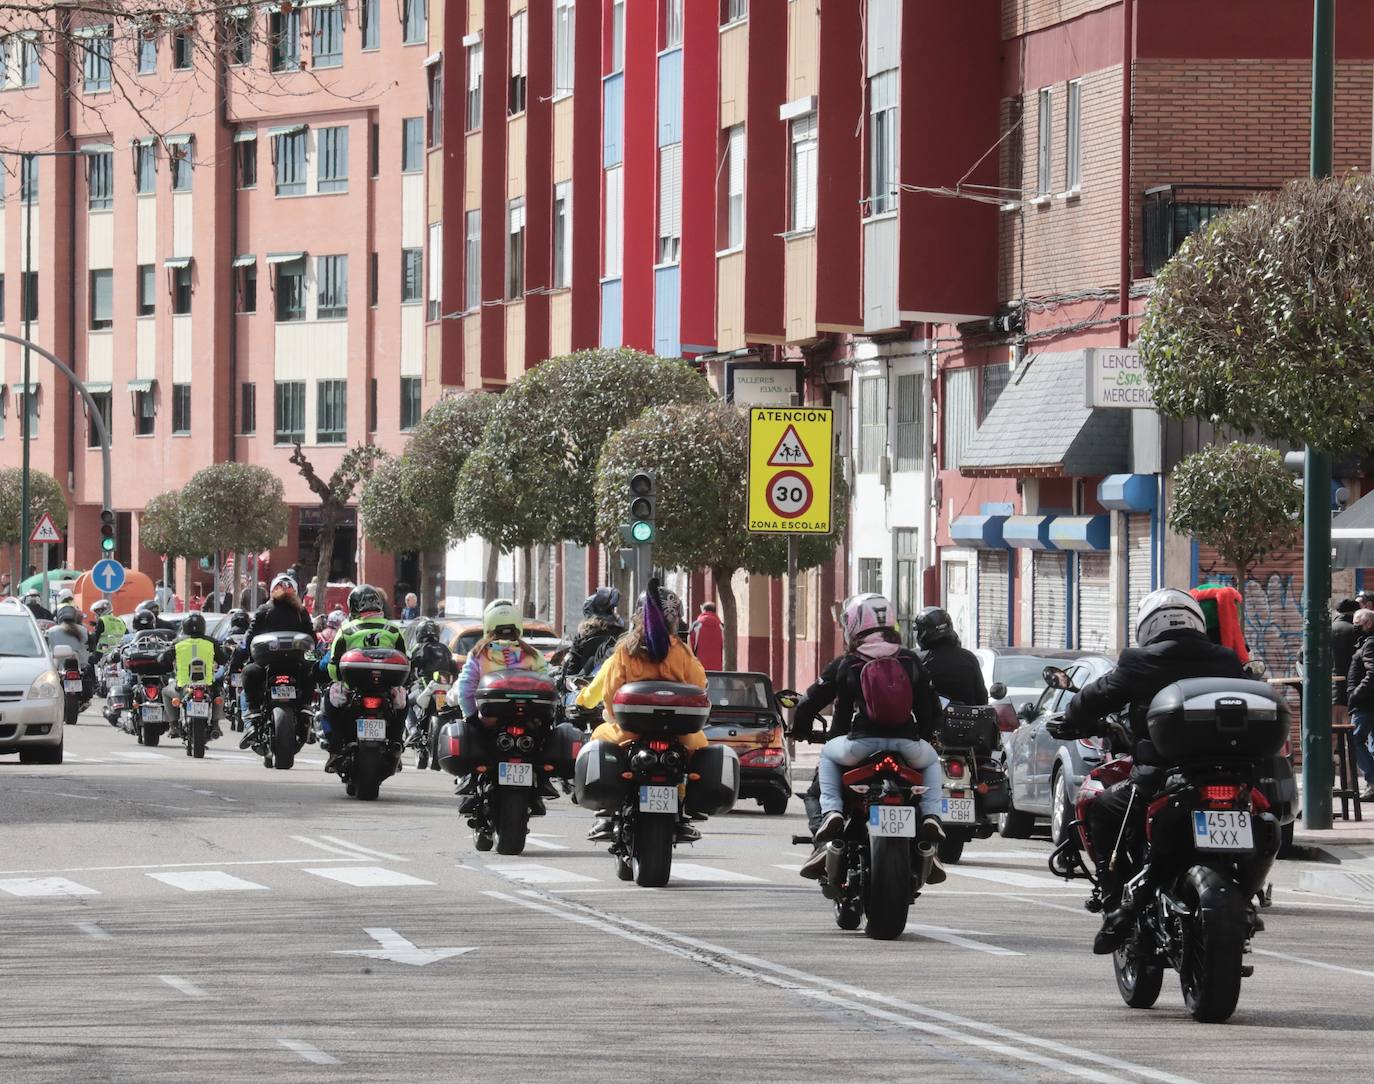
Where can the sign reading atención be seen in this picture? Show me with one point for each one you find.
(1116, 380)
(790, 460)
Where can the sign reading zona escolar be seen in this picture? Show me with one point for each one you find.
(790, 460)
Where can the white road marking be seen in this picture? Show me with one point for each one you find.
(190, 989)
(180, 865)
(401, 949)
(358, 848)
(544, 843)
(93, 931)
(1314, 963)
(531, 873)
(142, 756)
(45, 886)
(368, 877)
(308, 1051)
(1040, 903)
(60, 794)
(953, 937)
(208, 880)
(790, 867)
(694, 871)
(1006, 877)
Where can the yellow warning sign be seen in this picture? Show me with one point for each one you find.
(790, 460)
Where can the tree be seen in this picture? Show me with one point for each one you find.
(699, 452)
(403, 508)
(230, 508)
(161, 530)
(45, 495)
(1262, 322)
(354, 469)
(1239, 499)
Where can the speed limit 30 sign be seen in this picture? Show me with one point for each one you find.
(790, 460)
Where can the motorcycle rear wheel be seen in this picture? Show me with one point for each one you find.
(653, 849)
(283, 738)
(199, 730)
(1213, 949)
(149, 735)
(888, 896)
(1138, 980)
(952, 849)
(512, 819)
(367, 772)
(71, 708)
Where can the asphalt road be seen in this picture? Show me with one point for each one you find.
(165, 919)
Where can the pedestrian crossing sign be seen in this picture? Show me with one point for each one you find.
(790, 461)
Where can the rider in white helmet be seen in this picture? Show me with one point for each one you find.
(500, 648)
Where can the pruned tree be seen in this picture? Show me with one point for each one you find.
(400, 511)
(232, 507)
(1239, 499)
(160, 529)
(353, 470)
(45, 495)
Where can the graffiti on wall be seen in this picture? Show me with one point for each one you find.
(1273, 616)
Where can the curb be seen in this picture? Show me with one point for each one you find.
(1358, 887)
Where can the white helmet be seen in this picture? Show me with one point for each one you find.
(864, 613)
(65, 595)
(1164, 611)
(102, 606)
(502, 613)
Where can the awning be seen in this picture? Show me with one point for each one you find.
(1028, 532)
(96, 387)
(1352, 534)
(1129, 492)
(177, 261)
(286, 129)
(176, 140)
(96, 148)
(432, 59)
(979, 532)
(18, 387)
(1041, 427)
(245, 135)
(245, 261)
(141, 385)
(284, 257)
(1081, 532)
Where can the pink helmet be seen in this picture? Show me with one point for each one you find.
(863, 614)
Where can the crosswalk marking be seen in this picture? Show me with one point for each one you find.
(532, 873)
(693, 871)
(206, 880)
(45, 886)
(1006, 877)
(139, 755)
(368, 876)
(544, 843)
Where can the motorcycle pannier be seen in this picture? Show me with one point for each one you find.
(1228, 718)
(462, 746)
(368, 669)
(597, 782)
(565, 741)
(661, 708)
(281, 646)
(968, 727)
(717, 785)
(514, 696)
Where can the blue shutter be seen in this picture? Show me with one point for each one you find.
(670, 98)
(667, 309)
(611, 328)
(613, 121)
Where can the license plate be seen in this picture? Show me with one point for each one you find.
(198, 709)
(658, 799)
(957, 810)
(1223, 830)
(151, 713)
(892, 820)
(515, 775)
(236, 680)
(372, 730)
(72, 686)
(283, 692)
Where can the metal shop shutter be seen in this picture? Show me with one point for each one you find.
(1049, 599)
(1139, 558)
(1094, 602)
(992, 599)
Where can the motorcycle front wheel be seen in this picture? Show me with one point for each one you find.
(1138, 978)
(653, 848)
(888, 895)
(1213, 946)
(283, 738)
(149, 735)
(512, 819)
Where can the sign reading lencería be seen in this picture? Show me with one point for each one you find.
(1116, 380)
(790, 459)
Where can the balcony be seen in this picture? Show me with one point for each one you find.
(1173, 211)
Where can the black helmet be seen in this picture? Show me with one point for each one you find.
(66, 615)
(193, 625)
(239, 620)
(933, 626)
(426, 631)
(149, 605)
(601, 604)
(144, 619)
(365, 599)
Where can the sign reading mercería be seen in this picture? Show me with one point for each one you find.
(790, 460)
(1116, 380)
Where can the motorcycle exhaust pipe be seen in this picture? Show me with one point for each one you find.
(834, 862)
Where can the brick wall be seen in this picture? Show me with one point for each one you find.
(1026, 16)
(1273, 606)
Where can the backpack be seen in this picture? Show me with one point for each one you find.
(887, 693)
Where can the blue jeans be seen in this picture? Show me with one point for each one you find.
(845, 752)
(1363, 724)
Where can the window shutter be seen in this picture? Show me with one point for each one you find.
(670, 191)
(737, 160)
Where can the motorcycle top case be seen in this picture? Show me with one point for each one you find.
(273, 646)
(144, 660)
(597, 782)
(717, 787)
(968, 727)
(367, 669)
(661, 708)
(1226, 718)
(511, 696)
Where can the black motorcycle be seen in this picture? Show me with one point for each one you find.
(74, 697)
(287, 722)
(426, 716)
(975, 785)
(366, 731)
(197, 702)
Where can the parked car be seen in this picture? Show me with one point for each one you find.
(746, 716)
(537, 633)
(30, 689)
(1018, 669)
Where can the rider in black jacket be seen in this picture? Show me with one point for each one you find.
(597, 635)
(1171, 634)
(283, 612)
(953, 670)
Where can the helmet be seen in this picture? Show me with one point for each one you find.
(336, 619)
(101, 607)
(1164, 611)
(282, 580)
(363, 599)
(503, 613)
(194, 625)
(863, 614)
(239, 620)
(30, 596)
(66, 615)
(149, 605)
(143, 620)
(933, 626)
(601, 604)
(426, 631)
(65, 595)
(671, 606)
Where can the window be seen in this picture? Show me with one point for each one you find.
(331, 411)
(102, 300)
(515, 102)
(100, 181)
(473, 103)
(872, 424)
(147, 52)
(28, 295)
(612, 258)
(412, 144)
(372, 282)
(372, 405)
(370, 22)
(145, 411)
(374, 149)
(472, 260)
(907, 453)
(290, 287)
(410, 402)
(672, 24)
(246, 155)
(562, 235)
(957, 417)
(882, 154)
(289, 412)
(617, 36)
(731, 229)
(332, 152)
(289, 151)
(415, 19)
(103, 405)
(1073, 151)
(145, 168)
(181, 408)
(238, 39)
(515, 250)
(412, 263)
(995, 381)
(181, 290)
(327, 33)
(870, 575)
(248, 409)
(246, 286)
(669, 202)
(28, 179)
(95, 64)
(331, 274)
(802, 210)
(732, 11)
(147, 289)
(28, 62)
(284, 40)
(2, 320)
(1044, 137)
(435, 286)
(564, 23)
(436, 103)
(181, 50)
(180, 154)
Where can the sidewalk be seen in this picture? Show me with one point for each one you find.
(1345, 852)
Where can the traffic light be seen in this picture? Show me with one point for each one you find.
(643, 502)
(107, 532)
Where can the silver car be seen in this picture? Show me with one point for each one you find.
(1045, 772)
(30, 689)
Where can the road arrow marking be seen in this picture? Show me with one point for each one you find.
(399, 950)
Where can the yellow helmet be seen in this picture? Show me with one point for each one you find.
(503, 613)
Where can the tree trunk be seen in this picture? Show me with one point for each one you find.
(526, 585)
(329, 520)
(234, 577)
(493, 573)
(422, 588)
(729, 613)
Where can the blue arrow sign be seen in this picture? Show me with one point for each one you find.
(108, 575)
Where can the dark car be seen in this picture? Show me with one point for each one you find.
(746, 716)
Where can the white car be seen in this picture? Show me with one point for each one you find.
(30, 689)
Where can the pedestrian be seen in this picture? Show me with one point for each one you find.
(5, 584)
(1360, 686)
(411, 610)
(165, 596)
(1365, 600)
(706, 638)
(1343, 641)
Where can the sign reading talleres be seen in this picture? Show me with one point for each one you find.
(790, 462)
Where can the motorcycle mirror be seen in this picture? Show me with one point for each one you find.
(997, 690)
(1256, 668)
(580, 681)
(1057, 679)
(788, 698)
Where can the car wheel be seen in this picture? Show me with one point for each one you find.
(1013, 824)
(41, 754)
(1061, 810)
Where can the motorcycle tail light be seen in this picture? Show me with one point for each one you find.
(954, 769)
(1221, 792)
(659, 746)
(372, 703)
(150, 690)
(283, 679)
(515, 730)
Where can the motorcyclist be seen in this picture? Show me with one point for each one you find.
(144, 627)
(429, 656)
(109, 630)
(601, 627)
(36, 607)
(650, 651)
(1172, 644)
(67, 631)
(153, 607)
(953, 669)
(368, 627)
(854, 735)
(240, 621)
(332, 624)
(282, 612)
(192, 646)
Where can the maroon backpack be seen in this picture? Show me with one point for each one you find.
(887, 693)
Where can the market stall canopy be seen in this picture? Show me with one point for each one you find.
(1352, 534)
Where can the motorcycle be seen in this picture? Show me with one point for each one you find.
(232, 680)
(1209, 841)
(143, 714)
(425, 717)
(74, 698)
(509, 755)
(975, 786)
(196, 702)
(287, 722)
(646, 784)
(366, 730)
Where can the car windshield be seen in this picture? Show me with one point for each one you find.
(467, 641)
(1021, 671)
(19, 638)
(738, 691)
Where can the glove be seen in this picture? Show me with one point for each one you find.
(338, 694)
(398, 698)
(1062, 730)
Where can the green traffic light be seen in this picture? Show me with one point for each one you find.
(107, 544)
(642, 531)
